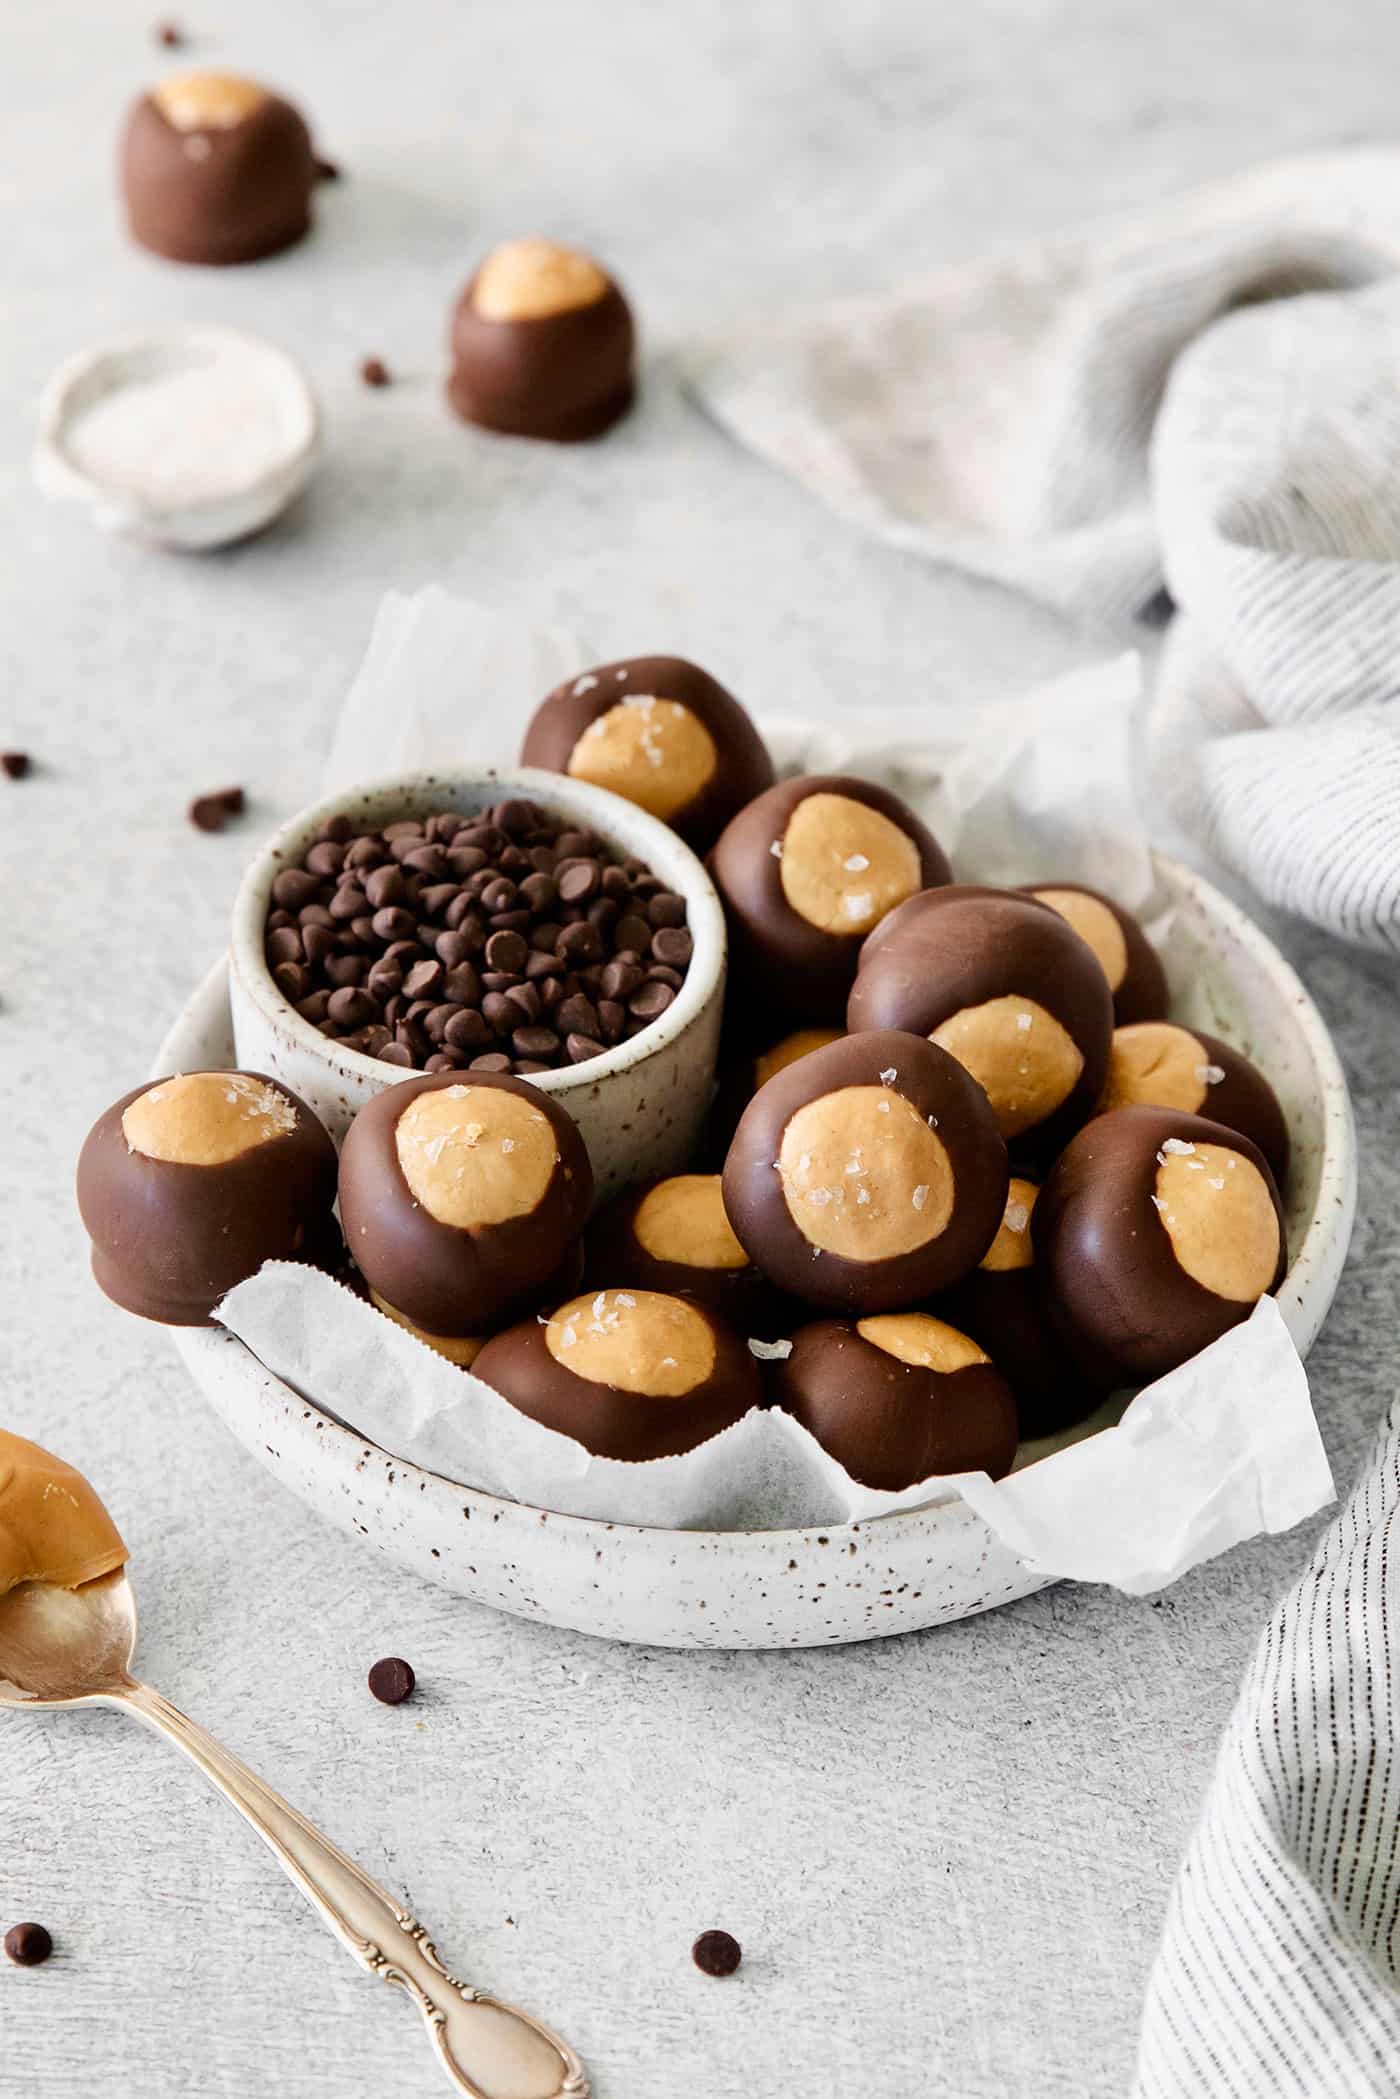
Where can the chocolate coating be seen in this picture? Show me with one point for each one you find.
(780, 958)
(565, 376)
(169, 1239)
(947, 1105)
(951, 951)
(608, 1419)
(1135, 975)
(216, 193)
(1112, 1272)
(445, 1278)
(1168, 1065)
(1003, 1308)
(889, 1423)
(746, 1066)
(617, 1257)
(559, 729)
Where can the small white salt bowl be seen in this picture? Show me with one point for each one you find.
(189, 438)
(640, 1105)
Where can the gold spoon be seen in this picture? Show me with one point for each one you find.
(75, 1647)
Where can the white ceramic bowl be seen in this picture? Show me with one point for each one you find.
(640, 1105)
(799, 1587)
(224, 378)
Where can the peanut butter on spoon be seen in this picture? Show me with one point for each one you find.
(53, 1528)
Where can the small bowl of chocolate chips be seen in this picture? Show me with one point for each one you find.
(513, 922)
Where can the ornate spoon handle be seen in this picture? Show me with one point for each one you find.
(489, 2050)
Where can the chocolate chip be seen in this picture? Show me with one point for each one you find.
(467, 1030)
(660, 974)
(581, 1047)
(444, 1060)
(621, 979)
(651, 1001)
(350, 1007)
(325, 858)
(395, 1053)
(285, 945)
(15, 764)
(666, 909)
(492, 1061)
(534, 1042)
(374, 371)
(578, 880)
(716, 1953)
(384, 885)
(581, 943)
(673, 946)
(293, 980)
(507, 951)
(612, 1019)
(462, 985)
(365, 852)
(28, 1945)
(208, 812)
(392, 1680)
(314, 1008)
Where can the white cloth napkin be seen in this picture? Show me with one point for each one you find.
(1279, 1974)
(1210, 398)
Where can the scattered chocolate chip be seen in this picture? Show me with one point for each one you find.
(327, 171)
(392, 1680)
(716, 1953)
(170, 34)
(28, 1945)
(375, 372)
(15, 764)
(210, 812)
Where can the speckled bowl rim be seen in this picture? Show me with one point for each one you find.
(594, 808)
(1304, 1296)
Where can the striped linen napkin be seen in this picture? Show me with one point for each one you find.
(1279, 1974)
(1205, 403)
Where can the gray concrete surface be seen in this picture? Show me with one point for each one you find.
(947, 1856)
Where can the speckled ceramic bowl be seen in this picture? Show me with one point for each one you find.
(639, 1105)
(797, 1587)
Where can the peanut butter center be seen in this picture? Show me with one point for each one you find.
(683, 1220)
(475, 1155)
(206, 1118)
(634, 1340)
(845, 865)
(1217, 1211)
(1159, 1065)
(535, 279)
(461, 1349)
(651, 751)
(801, 1043)
(53, 1527)
(1012, 1246)
(207, 101)
(1020, 1056)
(1096, 926)
(864, 1176)
(921, 1341)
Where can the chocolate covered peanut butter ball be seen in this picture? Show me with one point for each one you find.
(1007, 987)
(867, 1176)
(188, 1185)
(1155, 1233)
(744, 1070)
(461, 1198)
(899, 1398)
(1159, 1064)
(660, 732)
(1126, 955)
(631, 1374)
(216, 169)
(1002, 1306)
(805, 872)
(673, 1236)
(542, 344)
